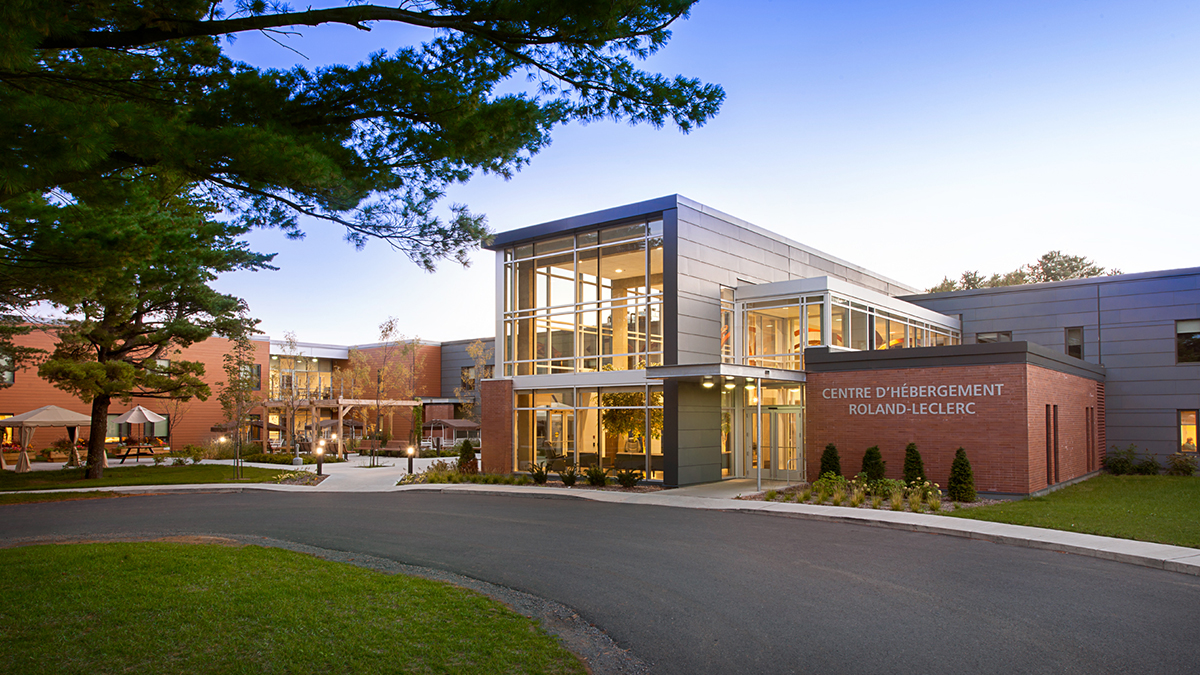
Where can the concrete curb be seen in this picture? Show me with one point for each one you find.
(1158, 556)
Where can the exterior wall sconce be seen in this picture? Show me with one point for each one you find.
(729, 383)
(707, 383)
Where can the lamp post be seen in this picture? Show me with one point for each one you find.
(410, 459)
(320, 454)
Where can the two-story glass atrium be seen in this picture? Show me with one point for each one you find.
(668, 337)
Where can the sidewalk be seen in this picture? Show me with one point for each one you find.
(353, 476)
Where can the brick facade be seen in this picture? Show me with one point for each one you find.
(497, 431)
(193, 419)
(997, 412)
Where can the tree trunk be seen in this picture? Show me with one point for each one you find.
(98, 431)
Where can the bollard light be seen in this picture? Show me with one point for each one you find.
(221, 440)
(411, 450)
(320, 455)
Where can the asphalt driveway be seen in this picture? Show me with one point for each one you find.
(694, 591)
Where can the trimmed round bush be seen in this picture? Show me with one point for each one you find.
(962, 479)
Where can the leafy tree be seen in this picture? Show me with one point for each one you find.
(468, 391)
(624, 414)
(914, 466)
(237, 393)
(120, 330)
(397, 364)
(1052, 266)
(872, 464)
(831, 462)
(1057, 266)
(91, 91)
(284, 390)
(961, 487)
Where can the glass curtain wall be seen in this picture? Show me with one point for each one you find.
(301, 376)
(611, 427)
(776, 332)
(585, 302)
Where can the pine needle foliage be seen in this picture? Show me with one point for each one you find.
(831, 462)
(962, 479)
(873, 465)
(914, 466)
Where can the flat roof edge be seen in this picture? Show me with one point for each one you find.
(822, 360)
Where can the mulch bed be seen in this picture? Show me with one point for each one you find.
(582, 485)
(793, 492)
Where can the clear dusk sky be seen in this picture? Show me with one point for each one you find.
(917, 139)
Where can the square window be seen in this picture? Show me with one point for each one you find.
(1187, 341)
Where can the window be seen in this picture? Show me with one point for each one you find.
(996, 336)
(1187, 430)
(254, 374)
(8, 374)
(587, 302)
(1075, 342)
(468, 376)
(6, 433)
(1187, 341)
(726, 324)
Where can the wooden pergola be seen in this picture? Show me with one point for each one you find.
(342, 405)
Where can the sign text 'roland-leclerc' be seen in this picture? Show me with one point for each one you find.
(931, 399)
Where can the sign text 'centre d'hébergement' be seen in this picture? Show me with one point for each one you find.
(868, 398)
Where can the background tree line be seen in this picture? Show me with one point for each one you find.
(1053, 266)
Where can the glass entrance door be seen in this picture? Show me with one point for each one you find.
(782, 455)
(555, 438)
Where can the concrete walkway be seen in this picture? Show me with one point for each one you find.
(354, 476)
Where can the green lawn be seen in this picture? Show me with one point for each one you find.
(185, 608)
(131, 475)
(1164, 509)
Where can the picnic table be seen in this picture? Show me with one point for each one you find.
(137, 451)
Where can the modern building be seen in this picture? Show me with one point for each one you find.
(671, 338)
(299, 383)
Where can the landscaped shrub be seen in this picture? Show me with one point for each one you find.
(914, 467)
(568, 476)
(1120, 462)
(539, 473)
(830, 481)
(1148, 466)
(466, 455)
(962, 479)
(596, 476)
(628, 478)
(1125, 462)
(1181, 464)
(831, 462)
(873, 464)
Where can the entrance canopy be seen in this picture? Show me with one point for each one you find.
(722, 372)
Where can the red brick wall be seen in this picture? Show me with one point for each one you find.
(1072, 395)
(191, 426)
(439, 411)
(1004, 437)
(497, 431)
(426, 364)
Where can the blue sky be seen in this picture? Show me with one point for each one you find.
(916, 139)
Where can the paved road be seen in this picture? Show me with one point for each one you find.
(694, 591)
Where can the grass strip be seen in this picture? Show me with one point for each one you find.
(1160, 509)
(132, 475)
(186, 608)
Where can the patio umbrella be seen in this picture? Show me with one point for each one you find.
(140, 415)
